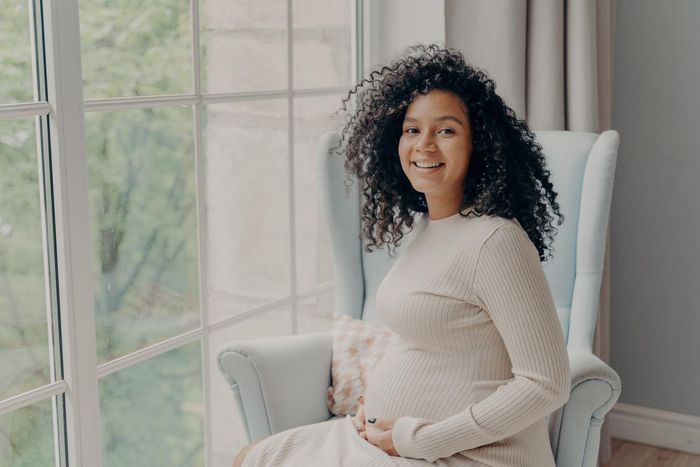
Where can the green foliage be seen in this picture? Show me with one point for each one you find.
(26, 437)
(152, 413)
(142, 198)
(15, 53)
(24, 362)
(136, 47)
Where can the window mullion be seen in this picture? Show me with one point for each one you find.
(356, 40)
(73, 254)
(48, 235)
(200, 172)
(292, 191)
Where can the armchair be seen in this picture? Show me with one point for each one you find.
(279, 383)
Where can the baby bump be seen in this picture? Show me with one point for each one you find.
(417, 384)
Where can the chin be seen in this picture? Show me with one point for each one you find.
(422, 188)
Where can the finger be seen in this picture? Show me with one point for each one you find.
(380, 424)
(381, 440)
(371, 437)
(384, 424)
(375, 437)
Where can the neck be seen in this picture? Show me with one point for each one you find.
(441, 212)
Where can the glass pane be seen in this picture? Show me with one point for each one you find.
(144, 230)
(136, 47)
(152, 413)
(322, 35)
(26, 436)
(315, 313)
(312, 118)
(228, 433)
(24, 351)
(247, 184)
(244, 45)
(16, 84)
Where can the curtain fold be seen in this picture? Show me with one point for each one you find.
(546, 73)
(552, 62)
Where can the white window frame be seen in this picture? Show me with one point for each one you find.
(75, 398)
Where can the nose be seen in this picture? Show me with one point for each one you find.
(425, 143)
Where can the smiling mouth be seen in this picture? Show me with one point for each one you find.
(428, 169)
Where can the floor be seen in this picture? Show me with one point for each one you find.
(629, 454)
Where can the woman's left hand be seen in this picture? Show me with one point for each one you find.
(379, 434)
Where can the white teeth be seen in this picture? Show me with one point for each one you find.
(427, 166)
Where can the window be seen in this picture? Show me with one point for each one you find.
(157, 200)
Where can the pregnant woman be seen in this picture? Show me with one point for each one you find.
(481, 359)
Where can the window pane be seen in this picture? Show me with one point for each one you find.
(321, 43)
(26, 436)
(244, 45)
(136, 47)
(143, 220)
(316, 312)
(247, 204)
(16, 84)
(24, 352)
(312, 118)
(228, 433)
(152, 413)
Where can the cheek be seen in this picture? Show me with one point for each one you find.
(463, 146)
(461, 154)
(404, 150)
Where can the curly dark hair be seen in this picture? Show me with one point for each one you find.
(506, 176)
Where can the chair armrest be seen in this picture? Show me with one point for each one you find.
(279, 382)
(595, 387)
(585, 366)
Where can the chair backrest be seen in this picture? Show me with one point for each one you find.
(582, 169)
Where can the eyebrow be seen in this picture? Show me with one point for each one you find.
(437, 119)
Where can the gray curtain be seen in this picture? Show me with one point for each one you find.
(552, 62)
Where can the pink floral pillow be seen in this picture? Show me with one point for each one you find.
(357, 348)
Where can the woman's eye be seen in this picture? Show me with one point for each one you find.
(448, 131)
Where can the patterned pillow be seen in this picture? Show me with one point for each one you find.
(357, 348)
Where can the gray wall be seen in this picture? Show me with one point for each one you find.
(655, 219)
(394, 24)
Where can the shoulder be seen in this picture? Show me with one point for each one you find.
(507, 240)
(490, 229)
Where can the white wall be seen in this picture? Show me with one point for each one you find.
(655, 219)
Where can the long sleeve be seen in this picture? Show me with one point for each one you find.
(509, 283)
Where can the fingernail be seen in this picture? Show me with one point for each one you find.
(371, 420)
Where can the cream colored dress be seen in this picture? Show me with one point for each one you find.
(480, 363)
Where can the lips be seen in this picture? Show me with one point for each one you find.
(428, 169)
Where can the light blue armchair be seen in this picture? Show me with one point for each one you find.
(280, 382)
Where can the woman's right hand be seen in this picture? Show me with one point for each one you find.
(359, 419)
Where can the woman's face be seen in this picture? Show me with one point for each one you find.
(436, 130)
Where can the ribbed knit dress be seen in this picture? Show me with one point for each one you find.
(480, 362)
